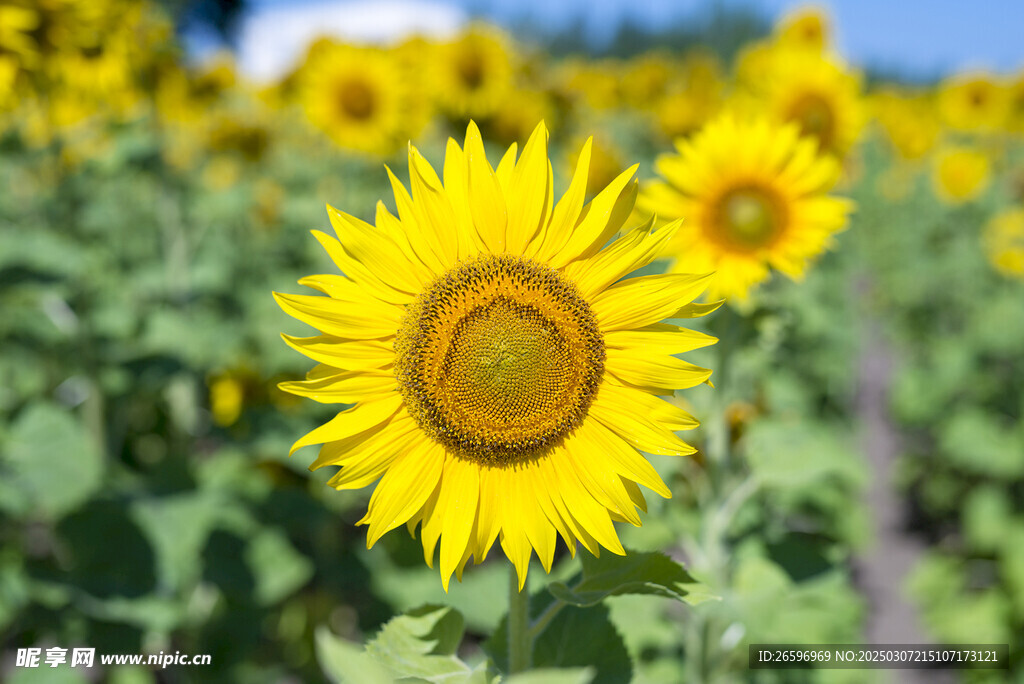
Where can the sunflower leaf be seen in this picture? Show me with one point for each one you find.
(634, 573)
(422, 644)
(575, 638)
(346, 663)
(576, 675)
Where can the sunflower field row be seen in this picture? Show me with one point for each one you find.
(867, 238)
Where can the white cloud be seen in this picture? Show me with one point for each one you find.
(273, 40)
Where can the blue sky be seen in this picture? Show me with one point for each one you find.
(914, 37)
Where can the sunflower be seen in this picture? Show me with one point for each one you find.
(473, 74)
(1004, 242)
(752, 195)
(503, 372)
(807, 28)
(973, 102)
(908, 121)
(960, 174)
(818, 94)
(361, 97)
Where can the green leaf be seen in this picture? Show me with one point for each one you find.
(575, 638)
(277, 567)
(422, 644)
(177, 527)
(584, 637)
(981, 443)
(635, 573)
(50, 464)
(581, 675)
(788, 454)
(346, 663)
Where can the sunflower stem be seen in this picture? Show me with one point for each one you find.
(520, 641)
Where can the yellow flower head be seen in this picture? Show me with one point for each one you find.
(1004, 242)
(1015, 96)
(807, 28)
(363, 98)
(752, 195)
(819, 95)
(503, 372)
(473, 74)
(694, 99)
(960, 174)
(593, 83)
(909, 122)
(973, 102)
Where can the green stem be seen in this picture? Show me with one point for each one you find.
(545, 618)
(520, 642)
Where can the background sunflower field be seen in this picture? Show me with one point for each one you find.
(860, 466)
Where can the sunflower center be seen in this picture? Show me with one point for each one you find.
(814, 115)
(356, 99)
(499, 358)
(471, 70)
(748, 217)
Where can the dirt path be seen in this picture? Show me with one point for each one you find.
(884, 566)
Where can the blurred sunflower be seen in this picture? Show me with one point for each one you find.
(512, 124)
(361, 97)
(593, 83)
(1015, 96)
(695, 98)
(973, 102)
(960, 174)
(908, 121)
(752, 195)
(8, 82)
(806, 27)
(17, 25)
(819, 95)
(473, 74)
(503, 372)
(185, 96)
(1004, 242)
(101, 73)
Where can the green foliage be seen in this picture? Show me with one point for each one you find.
(420, 645)
(635, 573)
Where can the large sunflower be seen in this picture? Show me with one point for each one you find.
(752, 195)
(503, 372)
(362, 97)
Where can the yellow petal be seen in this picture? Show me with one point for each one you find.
(352, 268)
(347, 423)
(460, 492)
(434, 210)
(637, 302)
(486, 201)
(403, 490)
(603, 482)
(344, 387)
(600, 219)
(421, 237)
(362, 320)
(657, 373)
(377, 252)
(627, 254)
(456, 184)
(627, 461)
(566, 212)
(528, 199)
(343, 353)
(659, 338)
(581, 505)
